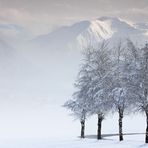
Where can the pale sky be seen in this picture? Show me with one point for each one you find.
(41, 16)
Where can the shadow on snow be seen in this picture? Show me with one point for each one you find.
(111, 135)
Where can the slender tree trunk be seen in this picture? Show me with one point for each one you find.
(83, 129)
(100, 118)
(120, 124)
(146, 135)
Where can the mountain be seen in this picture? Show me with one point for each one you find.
(13, 34)
(84, 33)
(39, 73)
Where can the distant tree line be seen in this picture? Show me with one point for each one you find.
(111, 80)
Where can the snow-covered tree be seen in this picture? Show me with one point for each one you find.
(121, 97)
(100, 68)
(79, 112)
(139, 85)
(80, 102)
(114, 80)
(92, 84)
(144, 85)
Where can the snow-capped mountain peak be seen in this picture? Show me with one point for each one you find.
(96, 32)
(85, 33)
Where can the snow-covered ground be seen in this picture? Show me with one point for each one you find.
(50, 126)
(131, 141)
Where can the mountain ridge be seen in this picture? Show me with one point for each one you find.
(85, 33)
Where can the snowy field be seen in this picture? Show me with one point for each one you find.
(52, 127)
(131, 141)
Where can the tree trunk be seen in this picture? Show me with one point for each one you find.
(83, 129)
(100, 118)
(146, 135)
(120, 124)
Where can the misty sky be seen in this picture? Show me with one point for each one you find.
(41, 16)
